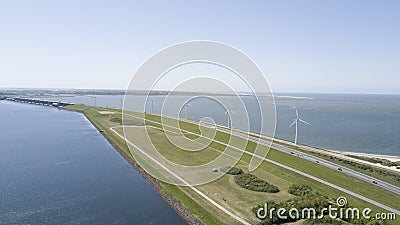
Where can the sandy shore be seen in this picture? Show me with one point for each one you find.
(386, 157)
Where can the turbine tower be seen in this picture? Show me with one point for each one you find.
(186, 109)
(228, 112)
(296, 123)
(94, 97)
(152, 106)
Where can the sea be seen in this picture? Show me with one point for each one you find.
(56, 168)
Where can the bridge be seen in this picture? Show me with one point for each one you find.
(39, 101)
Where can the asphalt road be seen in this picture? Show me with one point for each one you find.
(320, 161)
(303, 155)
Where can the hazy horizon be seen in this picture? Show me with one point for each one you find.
(313, 46)
(161, 90)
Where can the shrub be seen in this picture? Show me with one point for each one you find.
(232, 170)
(251, 182)
(126, 122)
(116, 120)
(299, 189)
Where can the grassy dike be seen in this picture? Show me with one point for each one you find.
(174, 196)
(196, 210)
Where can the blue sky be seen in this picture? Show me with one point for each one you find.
(301, 46)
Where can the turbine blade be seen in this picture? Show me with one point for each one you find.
(304, 121)
(297, 114)
(293, 123)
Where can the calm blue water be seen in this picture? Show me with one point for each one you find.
(345, 122)
(55, 168)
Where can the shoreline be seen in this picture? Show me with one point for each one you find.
(174, 203)
(392, 158)
(348, 155)
(369, 155)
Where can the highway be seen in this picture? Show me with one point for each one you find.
(312, 158)
(291, 151)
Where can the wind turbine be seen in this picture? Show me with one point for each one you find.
(228, 112)
(152, 106)
(296, 122)
(186, 109)
(95, 99)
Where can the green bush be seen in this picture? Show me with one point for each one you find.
(116, 120)
(251, 182)
(384, 162)
(126, 122)
(299, 189)
(232, 170)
